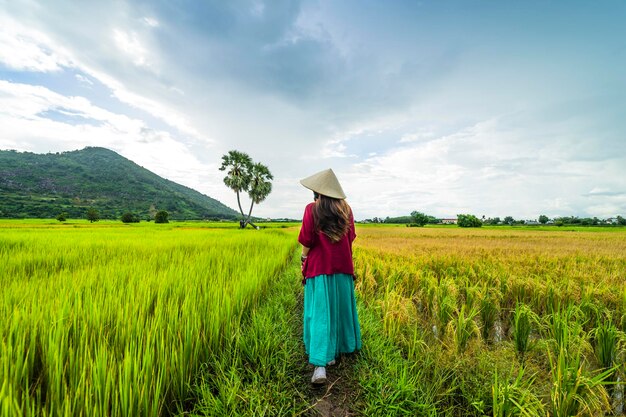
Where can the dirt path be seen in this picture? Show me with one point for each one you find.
(336, 397)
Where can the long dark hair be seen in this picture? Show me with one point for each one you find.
(332, 216)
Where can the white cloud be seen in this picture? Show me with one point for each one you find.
(129, 43)
(29, 49)
(417, 136)
(84, 80)
(151, 21)
(485, 169)
(26, 50)
(27, 102)
(334, 149)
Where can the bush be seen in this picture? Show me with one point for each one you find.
(419, 218)
(62, 217)
(130, 218)
(469, 220)
(161, 217)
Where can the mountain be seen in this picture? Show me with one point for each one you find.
(44, 185)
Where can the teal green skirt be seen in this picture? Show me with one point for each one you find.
(331, 323)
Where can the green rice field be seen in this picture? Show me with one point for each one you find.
(199, 319)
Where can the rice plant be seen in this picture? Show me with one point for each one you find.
(464, 328)
(523, 319)
(575, 390)
(606, 341)
(565, 330)
(559, 281)
(623, 317)
(446, 305)
(116, 320)
(489, 311)
(515, 398)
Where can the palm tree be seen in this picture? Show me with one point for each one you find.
(237, 177)
(260, 186)
(244, 175)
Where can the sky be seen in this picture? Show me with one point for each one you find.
(444, 107)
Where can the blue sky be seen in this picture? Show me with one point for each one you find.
(490, 108)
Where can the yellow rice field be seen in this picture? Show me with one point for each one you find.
(468, 304)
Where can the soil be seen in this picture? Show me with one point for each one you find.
(336, 397)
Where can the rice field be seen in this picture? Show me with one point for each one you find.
(111, 320)
(194, 318)
(501, 321)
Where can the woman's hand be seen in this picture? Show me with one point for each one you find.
(302, 261)
(305, 253)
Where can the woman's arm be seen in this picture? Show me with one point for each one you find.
(305, 253)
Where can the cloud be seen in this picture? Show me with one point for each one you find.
(605, 192)
(30, 49)
(449, 109)
(26, 51)
(485, 169)
(84, 80)
(152, 22)
(129, 43)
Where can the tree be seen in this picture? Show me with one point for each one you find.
(161, 216)
(129, 218)
(93, 215)
(243, 175)
(509, 220)
(260, 186)
(468, 220)
(419, 218)
(62, 217)
(621, 221)
(543, 219)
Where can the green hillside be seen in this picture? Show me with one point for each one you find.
(44, 185)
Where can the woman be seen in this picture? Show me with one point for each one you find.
(331, 324)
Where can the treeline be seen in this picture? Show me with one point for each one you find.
(93, 215)
(557, 221)
(415, 218)
(49, 208)
(418, 219)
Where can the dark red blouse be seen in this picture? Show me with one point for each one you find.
(325, 257)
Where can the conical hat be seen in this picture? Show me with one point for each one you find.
(325, 183)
